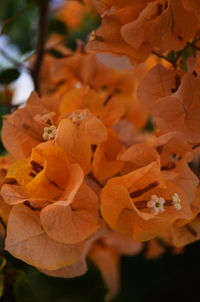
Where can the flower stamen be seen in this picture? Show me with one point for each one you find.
(49, 133)
(77, 118)
(176, 202)
(156, 204)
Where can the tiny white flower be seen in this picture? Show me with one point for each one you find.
(49, 133)
(156, 204)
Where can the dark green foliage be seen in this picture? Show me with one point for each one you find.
(19, 20)
(9, 75)
(57, 26)
(29, 285)
(88, 24)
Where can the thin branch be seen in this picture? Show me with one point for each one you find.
(42, 27)
(12, 18)
(193, 46)
(3, 224)
(165, 58)
(196, 146)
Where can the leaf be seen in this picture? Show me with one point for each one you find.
(88, 24)
(23, 291)
(58, 26)
(9, 75)
(56, 53)
(87, 288)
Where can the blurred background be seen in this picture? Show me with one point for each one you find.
(168, 275)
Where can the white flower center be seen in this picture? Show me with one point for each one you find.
(156, 204)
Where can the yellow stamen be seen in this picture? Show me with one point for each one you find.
(176, 202)
(49, 133)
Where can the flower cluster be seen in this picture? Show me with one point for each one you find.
(85, 176)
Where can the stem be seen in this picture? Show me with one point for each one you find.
(3, 224)
(165, 58)
(12, 18)
(196, 146)
(193, 46)
(42, 26)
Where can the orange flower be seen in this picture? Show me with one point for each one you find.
(46, 176)
(79, 267)
(175, 153)
(179, 93)
(105, 163)
(77, 133)
(157, 84)
(81, 98)
(58, 210)
(137, 27)
(142, 205)
(24, 128)
(27, 241)
(81, 68)
(183, 114)
(112, 41)
(190, 231)
(138, 156)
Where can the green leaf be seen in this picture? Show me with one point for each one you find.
(22, 289)
(9, 75)
(58, 26)
(88, 24)
(87, 288)
(56, 53)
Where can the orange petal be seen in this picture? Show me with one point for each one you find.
(76, 269)
(27, 241)
(108, 262)
(81, 98)
(105, 163)
(72, 223)
(75, 143)
(158, 83)
(20, 171)
(13, 194)
(20, 133)
(123, 244)
(138, 156)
